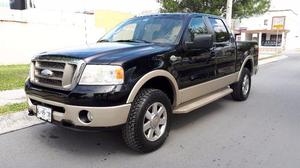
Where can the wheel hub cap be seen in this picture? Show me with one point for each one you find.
(246, 85)
(155, 121)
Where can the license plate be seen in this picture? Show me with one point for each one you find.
(44, 113)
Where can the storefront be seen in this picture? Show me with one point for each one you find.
(271, 42)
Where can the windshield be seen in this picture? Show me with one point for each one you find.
(147, 29)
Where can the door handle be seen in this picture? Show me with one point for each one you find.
(173, 58)
(212, 52)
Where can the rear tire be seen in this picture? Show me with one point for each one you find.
(148, 122)
(242, 88)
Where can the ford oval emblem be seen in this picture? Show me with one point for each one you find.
(46, 72)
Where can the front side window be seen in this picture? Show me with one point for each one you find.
(147, 29)
(196, 28)
(220, 30)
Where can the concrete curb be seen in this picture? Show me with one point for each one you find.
(271, 59)
(16, 121)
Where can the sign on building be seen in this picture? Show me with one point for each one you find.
(278, 22)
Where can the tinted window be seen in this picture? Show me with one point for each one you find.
(220, 30)
(196, 28)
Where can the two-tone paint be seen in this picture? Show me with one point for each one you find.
(185, 70)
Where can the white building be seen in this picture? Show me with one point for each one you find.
(53, 24)
(275, 31)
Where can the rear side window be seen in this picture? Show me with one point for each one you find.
(220, 30)
(196, 28)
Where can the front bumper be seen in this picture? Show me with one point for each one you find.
(91, 96)
(63, 113)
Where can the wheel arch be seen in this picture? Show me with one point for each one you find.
(248, 63)
(143, 81)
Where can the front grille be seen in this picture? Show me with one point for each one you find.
(56, 72)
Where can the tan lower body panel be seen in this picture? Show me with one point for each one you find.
(102, 116)
(202, 89)
(201, 101)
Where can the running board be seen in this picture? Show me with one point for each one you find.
(201, 101)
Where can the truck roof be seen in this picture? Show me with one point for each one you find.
(180, 14)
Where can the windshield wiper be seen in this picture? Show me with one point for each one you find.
(132, 40)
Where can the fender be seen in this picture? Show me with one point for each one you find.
(250, 57)
(153, 74)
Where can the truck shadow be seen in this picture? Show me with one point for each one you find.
(105, 144)
(182, 120)
(89, 144)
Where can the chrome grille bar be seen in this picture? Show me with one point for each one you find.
(56, 72)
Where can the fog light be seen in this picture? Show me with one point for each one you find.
(85, 116)
(89, 116)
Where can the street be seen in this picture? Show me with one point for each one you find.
(260, 132)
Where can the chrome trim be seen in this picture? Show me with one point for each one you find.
(69, 78)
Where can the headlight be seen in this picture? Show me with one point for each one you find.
(102, 75)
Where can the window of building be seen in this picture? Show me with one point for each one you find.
(273, 41)
(266, 22)
(273, 37)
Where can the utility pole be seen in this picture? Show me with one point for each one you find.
(229, 12)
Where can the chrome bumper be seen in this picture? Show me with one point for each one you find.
(102, 116)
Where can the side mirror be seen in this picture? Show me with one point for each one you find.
(200, 41)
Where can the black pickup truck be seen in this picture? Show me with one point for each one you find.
(140, 74)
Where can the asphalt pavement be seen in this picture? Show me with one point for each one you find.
(260, 132)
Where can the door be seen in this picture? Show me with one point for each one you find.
(196, 64)
(224, 48)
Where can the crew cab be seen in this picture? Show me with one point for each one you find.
(140, 74)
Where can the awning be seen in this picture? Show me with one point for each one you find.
(265, 31)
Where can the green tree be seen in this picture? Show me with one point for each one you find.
(240, 8)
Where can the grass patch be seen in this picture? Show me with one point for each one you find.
(9, 108)
(13, 76)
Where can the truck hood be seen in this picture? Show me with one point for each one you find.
(110, 52)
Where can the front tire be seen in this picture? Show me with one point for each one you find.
(241, 89)
(149, 120)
